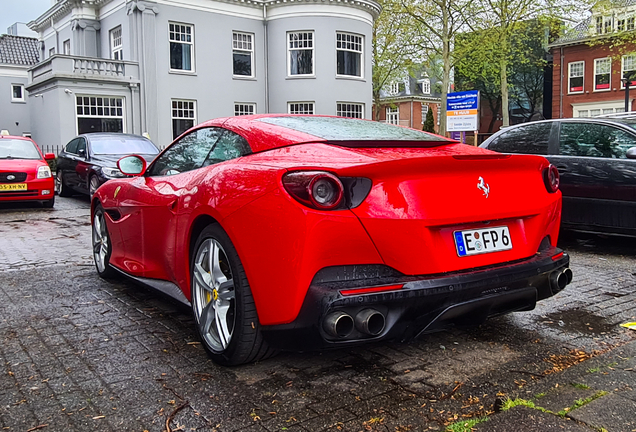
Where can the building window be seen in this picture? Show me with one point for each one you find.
(424, 112)
(394, 88)
(630, 24)
(393, 115)
(181, 46)
(300, 107)
(628, 70)
(353, 110)
(242, 54)
(51, 52)
(620, 24)
(183, 116)
(576, 77)
(607, 25)
(602, 72)
(244, 109)
(426, 86)
(599, 25)
(99, 114)
(116, 45)
(67, 47)
(17, 93)
(301, 53)
(349, 54)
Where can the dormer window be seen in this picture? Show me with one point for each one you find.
(425, 85)
(394, 89)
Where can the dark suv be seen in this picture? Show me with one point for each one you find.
(90, 160)
(596, 158)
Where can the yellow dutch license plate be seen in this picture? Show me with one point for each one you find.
(13, 187)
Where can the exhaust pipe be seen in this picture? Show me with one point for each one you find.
(370, 322)
(559, 280)
(338, 324)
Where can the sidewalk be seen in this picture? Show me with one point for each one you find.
(596, 395)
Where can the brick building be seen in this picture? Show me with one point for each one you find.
(589, 65)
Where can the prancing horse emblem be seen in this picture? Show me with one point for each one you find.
(483, 186)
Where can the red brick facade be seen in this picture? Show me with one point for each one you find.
(591, 98)
(410, 112)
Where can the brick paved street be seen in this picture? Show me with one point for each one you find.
(78, 353)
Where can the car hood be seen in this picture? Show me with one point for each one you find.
(110, 160)
(20, 165)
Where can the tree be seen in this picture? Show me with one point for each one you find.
(429, 123)
(392, 46)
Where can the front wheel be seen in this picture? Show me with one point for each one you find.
(93, 184)
(222, 302)
(102, 246)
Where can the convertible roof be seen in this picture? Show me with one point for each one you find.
(265, 132)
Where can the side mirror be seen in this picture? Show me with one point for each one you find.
(49, 156)
(132, 165)
(631, 153)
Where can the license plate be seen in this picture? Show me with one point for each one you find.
(484, 240)
(13, 187)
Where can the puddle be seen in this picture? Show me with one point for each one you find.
(577, 320)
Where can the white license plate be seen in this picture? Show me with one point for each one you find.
(484, 240)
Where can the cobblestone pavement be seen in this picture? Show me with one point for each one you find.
(78, 353)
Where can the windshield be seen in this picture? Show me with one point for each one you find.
(122, 145)
(18, 149)
(336, 129)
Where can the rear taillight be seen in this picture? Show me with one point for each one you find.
(551, 178)
(317, 189)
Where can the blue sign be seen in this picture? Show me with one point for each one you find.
(462, 100)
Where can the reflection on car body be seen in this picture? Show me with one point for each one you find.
(299, 232)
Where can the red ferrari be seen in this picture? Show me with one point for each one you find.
(299, 232)
(24, 173)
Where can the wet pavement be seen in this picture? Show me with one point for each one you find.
(78, 353)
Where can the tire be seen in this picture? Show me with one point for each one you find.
(221, 294)
(60, 188)
(93, 184)
(102, 246)
(49, 203)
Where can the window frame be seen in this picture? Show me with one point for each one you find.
(425, 86)
(290, 49)
(172, 117)
(596, 74)
(390, 114)
(360, 53)
(570, 64)
(633, 82)
(243, 50)
(66, 47)
(14, 99)
(340, 111)
(244, 105)
(425, 109)
(191, 44)
(121, 116)
(116, 50)
(312, 103)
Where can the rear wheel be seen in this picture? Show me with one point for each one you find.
(61, 189)
(102, 246)
(222, 302)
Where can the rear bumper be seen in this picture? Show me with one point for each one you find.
(34, 192)
(422, 304)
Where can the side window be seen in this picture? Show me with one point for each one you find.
(187, 154)
(71, 147)
(229, 146)
(81, 145)
(594, 140)
(531, 139)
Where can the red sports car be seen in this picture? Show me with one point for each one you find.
(24, 173)
(298, 232)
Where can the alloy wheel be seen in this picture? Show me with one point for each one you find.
(213, 295)
(100, 241)
(93, 184)
(58, 182)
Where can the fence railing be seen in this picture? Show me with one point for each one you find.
(51, 148)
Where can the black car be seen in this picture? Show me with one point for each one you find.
(90, 160)
(596, 158)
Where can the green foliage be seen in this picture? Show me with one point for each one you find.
(465, 425)
(580, 402)
(540, 395)
(429, 123)
(581, 386)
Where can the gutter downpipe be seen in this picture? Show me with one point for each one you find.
(561, 86)
(266, 51)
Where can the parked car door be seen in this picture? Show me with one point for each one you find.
(598, 181)
(82, 166)
(67, 161)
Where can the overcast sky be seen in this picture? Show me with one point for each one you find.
(21, 11)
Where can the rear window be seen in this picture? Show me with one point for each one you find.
(356, 133)
(122, 145)
(18, 149)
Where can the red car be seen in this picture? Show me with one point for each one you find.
(24, 173)
(299, 232)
